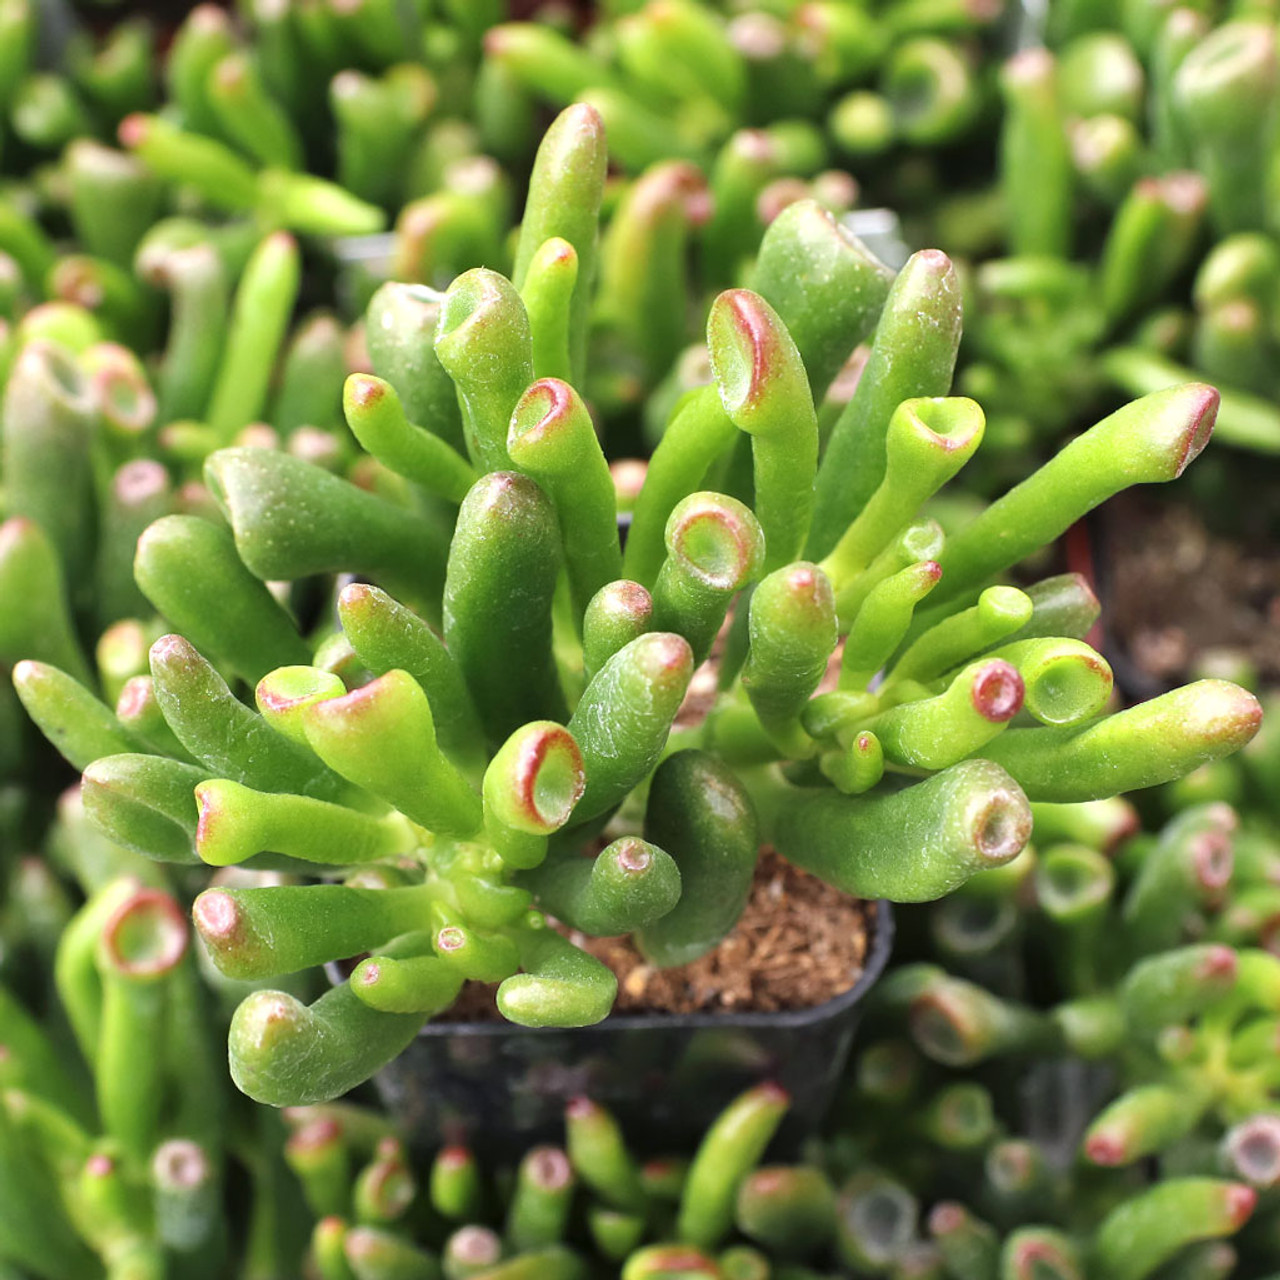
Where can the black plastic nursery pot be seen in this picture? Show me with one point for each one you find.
(665, 1076)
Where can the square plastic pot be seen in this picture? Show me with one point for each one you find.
(500, 1087)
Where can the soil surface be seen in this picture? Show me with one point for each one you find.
(798, 944)
(1173, 592)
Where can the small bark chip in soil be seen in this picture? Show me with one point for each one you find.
(799, 943)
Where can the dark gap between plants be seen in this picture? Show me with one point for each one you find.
(1173, 589)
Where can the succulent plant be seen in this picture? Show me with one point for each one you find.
(126, 1177)
(1125, 245)
(408, 656)
(1126, 978)
(450, 779)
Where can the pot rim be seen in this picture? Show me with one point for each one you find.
(877, 958)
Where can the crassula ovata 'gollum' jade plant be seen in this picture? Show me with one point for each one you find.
(497, 692)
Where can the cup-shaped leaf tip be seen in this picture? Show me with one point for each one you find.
(997, 691)
(146, 936)
(746, 342)
(1252, 1150)
(717, 539)
(549, 778)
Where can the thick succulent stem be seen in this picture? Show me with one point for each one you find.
(623, 719)
(913, 354)
(1145, 442)
(503, 565)
(911, 845)
(731, 1148)
(552, 438)
(1139, 747)
(765, 391)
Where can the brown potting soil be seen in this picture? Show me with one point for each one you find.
(799, 943)
(1174, 591)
